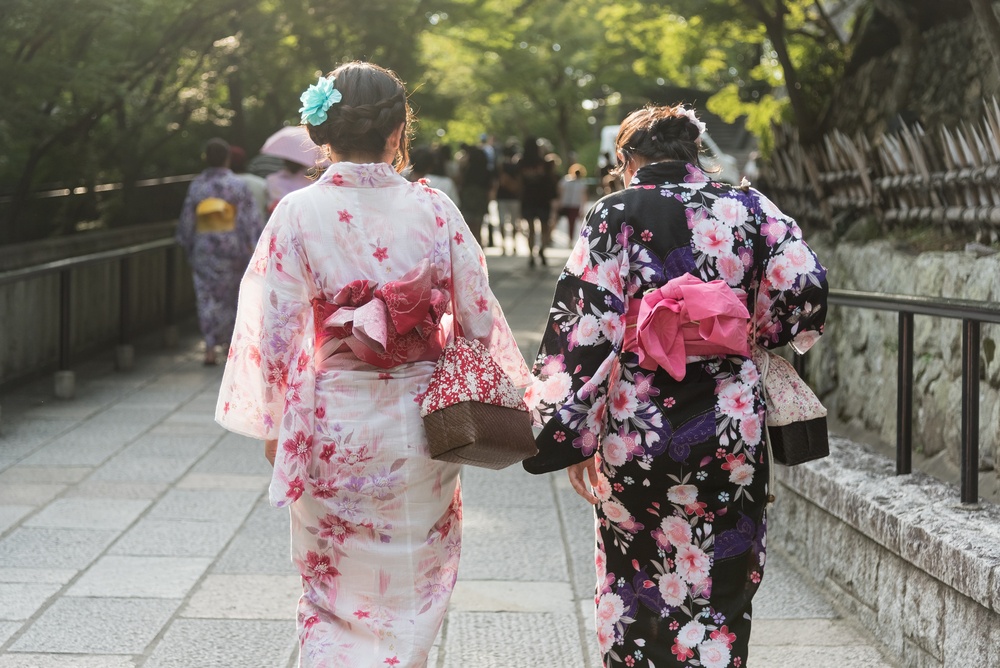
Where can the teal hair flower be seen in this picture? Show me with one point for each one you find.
(317, 99)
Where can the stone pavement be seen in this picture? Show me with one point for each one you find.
(135, 532)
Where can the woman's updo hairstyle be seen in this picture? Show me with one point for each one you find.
(372, 106)
(658, 134)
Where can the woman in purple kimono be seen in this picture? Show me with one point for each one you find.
(344, 311)
(648, 392)
(218, 227)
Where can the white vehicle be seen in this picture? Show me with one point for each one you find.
(720, 165)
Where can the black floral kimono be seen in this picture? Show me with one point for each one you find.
(683, 464)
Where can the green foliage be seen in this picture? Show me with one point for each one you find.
(117, 90)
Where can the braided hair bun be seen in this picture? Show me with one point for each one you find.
(373, 105)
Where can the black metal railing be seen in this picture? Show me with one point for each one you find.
(125, 256)
(972, 314)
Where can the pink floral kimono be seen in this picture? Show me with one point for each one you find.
(343, 311)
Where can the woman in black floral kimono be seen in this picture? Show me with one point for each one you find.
(647, 391)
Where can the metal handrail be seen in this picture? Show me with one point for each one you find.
(124, 256)
(972, 314)
(54, 266)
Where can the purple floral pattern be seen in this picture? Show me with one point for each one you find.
(218, 259)
(682, 466)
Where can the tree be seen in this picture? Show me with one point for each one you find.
(101, 90)
(91, 77)
(516, 69)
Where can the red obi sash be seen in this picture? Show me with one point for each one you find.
(687, 317)
(395, 324)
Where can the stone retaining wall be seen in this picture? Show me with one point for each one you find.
(897, 552)
(955, 73)
(853, 367)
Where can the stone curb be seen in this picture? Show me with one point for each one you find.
(915, 516)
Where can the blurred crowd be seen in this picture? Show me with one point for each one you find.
(513, 196)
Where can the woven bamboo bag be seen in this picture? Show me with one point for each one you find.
(472, 412)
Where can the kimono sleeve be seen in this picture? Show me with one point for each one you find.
(477, 308)
(791, 301)
(580, 347)
(273, 334)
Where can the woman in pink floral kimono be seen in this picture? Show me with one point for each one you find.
(344, 309)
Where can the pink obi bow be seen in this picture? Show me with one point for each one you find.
(384, 327)
(686, 317)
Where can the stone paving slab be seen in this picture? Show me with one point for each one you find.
(510, 487)
(790, 632)
(130, 468)
(578, 521)
(97, 626)
(521, 534)
(783, 587)
(28, 494)
(83, 513)
(189, 446)
(224, 643)
(10, 514)
(48, 474)
(223, 596)
(64, 661)
(100, 489)
(115, 576)
(20, 436)
(7, 629)
(204, 505)
(21, 600)
(261, 546)
(508, 639)
(37, 575)
(855, 656)
(189, 424)
(235, 455)
(221, 481)
(507, 596)
(73, 450)
(175, 538)
(37, 547)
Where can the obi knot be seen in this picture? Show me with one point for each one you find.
(686, 317)
(396, 323)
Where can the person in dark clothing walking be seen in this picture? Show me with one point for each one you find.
(537, 198)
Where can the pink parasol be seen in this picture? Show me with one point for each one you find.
(293, 143)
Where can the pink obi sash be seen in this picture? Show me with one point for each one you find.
(388, 326)
(686, 318)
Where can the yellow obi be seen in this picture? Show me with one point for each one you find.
(214, 215)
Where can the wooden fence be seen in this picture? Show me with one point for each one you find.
(907, 178)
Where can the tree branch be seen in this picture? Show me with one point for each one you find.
(774, 25)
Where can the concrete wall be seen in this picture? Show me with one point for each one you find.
(29, 309)
(896, 552)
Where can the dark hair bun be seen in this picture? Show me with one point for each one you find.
(659, 133)
(673, 128)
